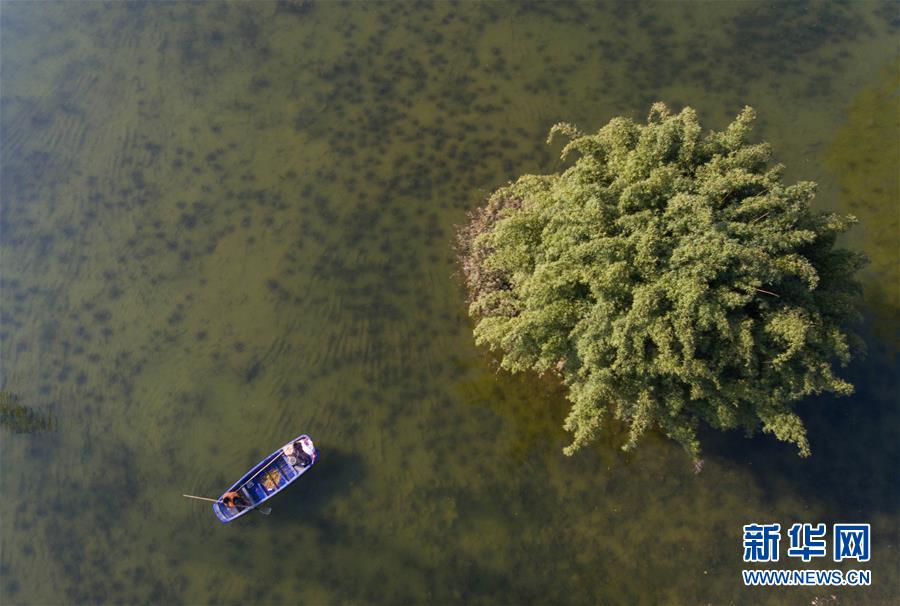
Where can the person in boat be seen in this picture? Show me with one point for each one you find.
(303, 457)
(234, 499)
(296, 451)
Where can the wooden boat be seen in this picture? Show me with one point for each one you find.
(268, 477)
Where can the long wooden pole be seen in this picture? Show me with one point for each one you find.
(190, 496)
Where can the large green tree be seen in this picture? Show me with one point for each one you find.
(668, 277)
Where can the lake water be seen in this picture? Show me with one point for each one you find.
(227, 224)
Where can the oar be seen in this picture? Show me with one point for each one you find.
(265, 510)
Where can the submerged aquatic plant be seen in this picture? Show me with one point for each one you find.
(865, 155)
(668, 277)
(21, 419)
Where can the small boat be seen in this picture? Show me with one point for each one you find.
(268, 477)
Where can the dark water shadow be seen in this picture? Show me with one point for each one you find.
(855, 445)
(311, 496)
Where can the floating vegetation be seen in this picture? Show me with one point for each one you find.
(18, 418)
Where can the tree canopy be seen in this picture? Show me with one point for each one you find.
(668, 277)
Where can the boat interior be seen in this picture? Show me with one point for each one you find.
(273, 476)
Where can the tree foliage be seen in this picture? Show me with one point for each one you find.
(668, 277)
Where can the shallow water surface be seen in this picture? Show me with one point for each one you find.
(224, 224)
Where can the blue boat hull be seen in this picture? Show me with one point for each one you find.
(267, 478)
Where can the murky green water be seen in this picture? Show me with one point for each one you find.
(225, 224)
